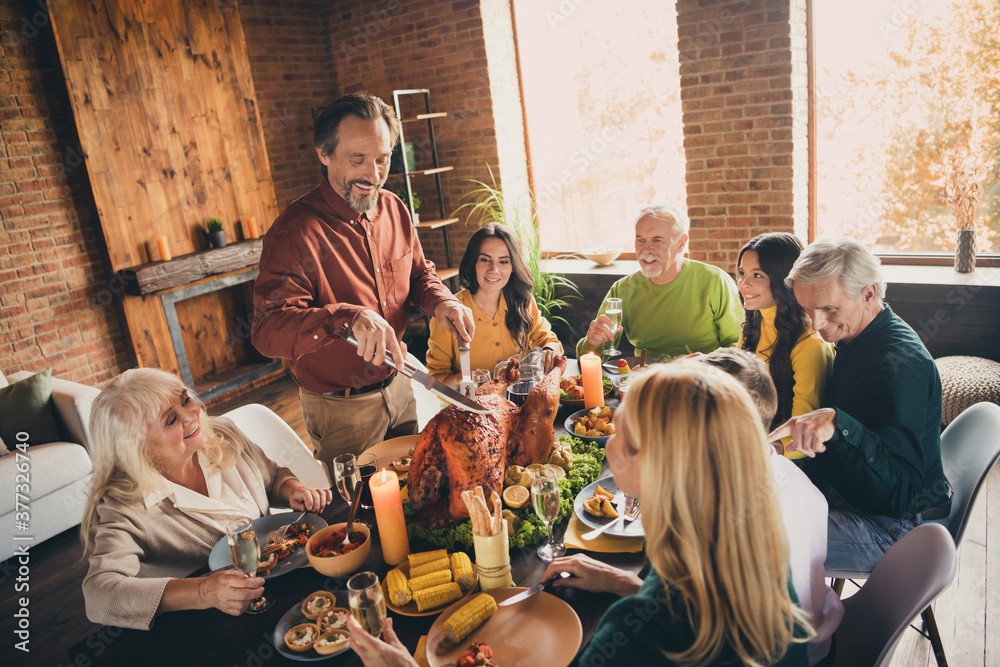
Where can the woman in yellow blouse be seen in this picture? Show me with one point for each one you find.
(499, 290)
(776, 328)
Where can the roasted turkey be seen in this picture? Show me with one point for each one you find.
(459, 450)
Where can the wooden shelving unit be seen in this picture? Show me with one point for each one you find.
(435, 171)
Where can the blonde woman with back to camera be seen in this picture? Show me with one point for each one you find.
(690, 444)
(167, 479)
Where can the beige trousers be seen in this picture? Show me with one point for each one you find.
(339, 425)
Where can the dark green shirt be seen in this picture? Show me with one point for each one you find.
(636, 630)
(885, 456)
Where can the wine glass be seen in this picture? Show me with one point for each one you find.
(245, 551)
(366, 464)
(545, 499)
(347, 473)
(366, 602)
(613, 309)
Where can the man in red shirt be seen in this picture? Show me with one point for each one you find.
(346, 253)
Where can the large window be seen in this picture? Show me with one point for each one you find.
(901, 88)
(603, 112)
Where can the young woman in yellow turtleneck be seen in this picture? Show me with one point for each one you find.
(776, 328)
(499, 290)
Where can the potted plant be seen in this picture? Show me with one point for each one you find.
(487, 203)
(965, 169)
(216, 234)
(413, 205)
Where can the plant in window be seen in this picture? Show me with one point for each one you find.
(965, 169)
(487, 203)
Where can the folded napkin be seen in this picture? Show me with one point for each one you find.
(603, 544)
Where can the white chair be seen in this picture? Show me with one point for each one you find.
(905, 581)
(281, 444)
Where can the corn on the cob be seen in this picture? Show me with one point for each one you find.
(436, 596)
(469, 617)
(430, 580)
(420, 655)
(461, 570)
(399, 588)
(424, 557)
(433, 566)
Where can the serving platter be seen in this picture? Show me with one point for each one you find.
(542, 630)
(600, 440)
(265, 527)
(627, 529)
(293, 617)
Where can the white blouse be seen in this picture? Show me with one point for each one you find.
(228, 497)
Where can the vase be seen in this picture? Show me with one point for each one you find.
(217, 239)
(965, 251)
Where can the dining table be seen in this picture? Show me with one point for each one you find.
(210, 637)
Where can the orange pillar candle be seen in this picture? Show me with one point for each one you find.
(251, 230)
(389, 514)
(593, 385)
(161, 245)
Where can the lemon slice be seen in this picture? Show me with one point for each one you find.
(557, 470)
(516, 496)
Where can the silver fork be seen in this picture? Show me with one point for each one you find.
(280, 534)
(631, 513)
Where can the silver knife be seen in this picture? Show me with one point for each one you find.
(439, 389)
(524, 595)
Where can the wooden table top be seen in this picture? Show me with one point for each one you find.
(211, 637)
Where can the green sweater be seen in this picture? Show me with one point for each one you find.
(636, 630)
(698, 311)
(885, 455)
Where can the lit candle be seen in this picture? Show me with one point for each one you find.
(389, 514)
(593, 385)
(251, 230)
(161, 245)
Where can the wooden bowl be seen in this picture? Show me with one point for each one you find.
(339, 566)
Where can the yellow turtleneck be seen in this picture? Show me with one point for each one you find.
(812, 361)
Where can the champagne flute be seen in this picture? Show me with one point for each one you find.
(366, 602)
(347, 475)
(613, 310)
(545, 499)
(245, 551)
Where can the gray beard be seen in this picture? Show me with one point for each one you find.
(362, 204)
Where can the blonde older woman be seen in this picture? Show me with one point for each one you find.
(167, 479)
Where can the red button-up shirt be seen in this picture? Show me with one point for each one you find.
(321, 265)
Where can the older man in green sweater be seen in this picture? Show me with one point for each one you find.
(672, 305)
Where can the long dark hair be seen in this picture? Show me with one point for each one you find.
(777, 252)
(519, 290)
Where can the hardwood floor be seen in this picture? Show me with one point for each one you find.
(968, 613)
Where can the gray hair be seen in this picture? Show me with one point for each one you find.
(675, 214)
(845, 259)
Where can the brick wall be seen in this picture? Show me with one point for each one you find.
(55, 297)
(292, 75)
(743, 94)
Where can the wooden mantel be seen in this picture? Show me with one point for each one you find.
(159, 276)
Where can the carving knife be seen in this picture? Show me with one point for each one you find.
(439, 389)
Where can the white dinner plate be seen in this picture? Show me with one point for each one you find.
(627, 529)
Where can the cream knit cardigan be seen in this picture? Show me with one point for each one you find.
(137, 550)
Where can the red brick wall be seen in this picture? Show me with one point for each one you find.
(55, 297)
(292, 75)
(744, 121)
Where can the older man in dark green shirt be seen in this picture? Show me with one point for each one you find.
(877, 447)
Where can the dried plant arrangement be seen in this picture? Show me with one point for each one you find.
(965, 169)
